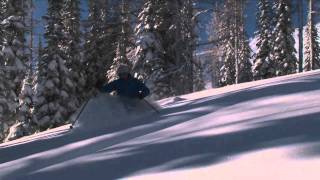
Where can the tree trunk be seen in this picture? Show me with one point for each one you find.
(311, 13)
(300, 21)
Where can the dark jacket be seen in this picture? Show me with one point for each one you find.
(131, 87)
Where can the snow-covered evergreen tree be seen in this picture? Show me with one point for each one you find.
(3, 7)
(283, 52)
(169, 23)
(227, 44)
(183, 47)
(23, 118)
(216, 50)
(245, 66)
(13, 43)
(151, 65)
(100, 44)
(123, 42)
(94, 67)
(198, 82)
(40, 47)
(23, 125)
(311, 61)
(261, 61)
(114, 23)
(121, 58)
(244, 50)
(52, 78)
(13, 59)
(165, 46)
(234, 44)
(72, 53)
(2, 78)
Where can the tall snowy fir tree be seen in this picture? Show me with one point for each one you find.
(52, 78)
(193, 74)
(13, 59)
(123, 42)
(72, 53)
(94, 67)
(40, 48)
(311, 48)
(198, 82)
(13, 43)
(165, 47)
(261, 68)
(22, 126)
(243, 50)
(99, 45)
(227, 44)
(283, 52)
(185, 41)
(151, 65)
(216, 50)
(113, 19)
(2, 78)
(234, 44)
(170, 23)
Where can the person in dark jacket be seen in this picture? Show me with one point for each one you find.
(126, 85)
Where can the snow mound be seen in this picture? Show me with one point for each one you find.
(105, 111)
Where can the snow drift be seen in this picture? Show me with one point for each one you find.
(105, 111)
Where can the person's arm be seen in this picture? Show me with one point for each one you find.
(108, 88)
(143, 90)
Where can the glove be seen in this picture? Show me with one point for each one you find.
(140, 96)
(99, 84)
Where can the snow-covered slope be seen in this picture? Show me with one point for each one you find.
(260, 130)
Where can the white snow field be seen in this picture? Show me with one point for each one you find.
(267, 129)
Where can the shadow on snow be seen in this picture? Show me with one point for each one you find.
(183, 153)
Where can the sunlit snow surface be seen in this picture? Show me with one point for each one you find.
(266, 129)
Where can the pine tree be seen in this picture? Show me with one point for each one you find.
(311, 59)
(13, 43)
(123, 42)
(94, 67)
(283, 52)
(216, 49)
(112, 31)
(184, 47)
(244, 65)
(40, 47)
(166, 44)
(99, 45)
(12, 59)
(25, 95)
(72, 53)
(3, 9)
(169, 24)
(52, 79)
(198, 84)
(262, 58)
(227, 36)
(299, 7)
(3, 101)
(234, 44)
(151, 64)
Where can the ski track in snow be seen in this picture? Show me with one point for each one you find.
(266, 129)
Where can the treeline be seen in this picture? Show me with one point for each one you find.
(41, 89)
(275, 54)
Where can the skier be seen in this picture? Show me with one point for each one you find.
(126, 85)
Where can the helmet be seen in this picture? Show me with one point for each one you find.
(123, 69)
